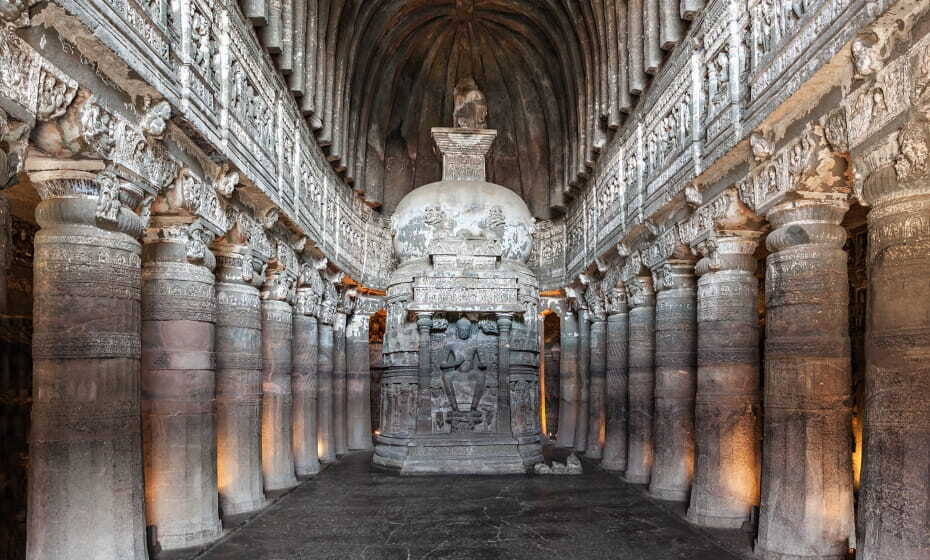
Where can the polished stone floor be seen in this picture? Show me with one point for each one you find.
(353, 512)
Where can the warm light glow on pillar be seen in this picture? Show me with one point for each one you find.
(321, 448)
(857, 450)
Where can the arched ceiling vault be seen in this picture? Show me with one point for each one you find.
(374, 76)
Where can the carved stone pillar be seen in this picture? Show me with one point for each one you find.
(675, 380)
(85, 446)
(358, 382)
(568, 377)
(238, 374)
(424, 374)
(325, 447)
(641, 379)
(727, 419)
(306, 381)
(277, 368)
(584, 379)
(806, 509)
(340, 424)
(615, 442)
(552, 357)
(597, 402)
(178, 379)
(894, 505)
(504, 324)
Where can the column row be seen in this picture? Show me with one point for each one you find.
(173, 381)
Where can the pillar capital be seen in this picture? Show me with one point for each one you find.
(424, 321)
(640, 291)
(734, 251)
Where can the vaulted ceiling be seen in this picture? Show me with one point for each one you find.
(374, 76)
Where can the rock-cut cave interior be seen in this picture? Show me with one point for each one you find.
(464, 279)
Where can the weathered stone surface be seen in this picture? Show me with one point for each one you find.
(568, 368)
(641, 380)
(675, 380)
(895, 494)
(584, 380)
(807, 385)
(277, 396)
(326, 444)
(238, 383)
(358, 393)
(85, 445)
(306, 394)
(597, 401)
(615, 442)
(340, 422)
(178, 388)
(727, 409)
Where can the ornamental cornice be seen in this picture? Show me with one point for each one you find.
(366, 304)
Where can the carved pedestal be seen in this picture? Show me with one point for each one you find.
(568, 390)
(615, 442)
(727, 415)
(85, 445)
(358, 383)
(584, 379)
(894, 506)
(277, 397)
(178, 386)
(305, 387)
(806, 509)
(675, 367)
(238, 382)
(641, 380)
(325, 444)
(340, 421)
(597, 400)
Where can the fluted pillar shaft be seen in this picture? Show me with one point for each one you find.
(85, 444)
(727, 415)
(894, 505)
(641, 381)
(615, 442)
(340, 420)
(675, 381)
(305, 387)
(238, 382)
(584, 380)
(806, 509)
(568, 379)
(358, 383)
(325, 445)
(178, 387)
(597, 400)
(277, 395)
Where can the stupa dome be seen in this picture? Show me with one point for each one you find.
(462, 209)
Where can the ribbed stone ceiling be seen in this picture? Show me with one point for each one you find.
(373, 76)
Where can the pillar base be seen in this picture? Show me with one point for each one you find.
(636, 478)
(669, 494)
(762, 554)
(308, 472)
(613, 466)
(238, 508)
(715, 521)
(190, 540)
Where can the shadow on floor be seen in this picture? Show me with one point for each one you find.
(352, 511)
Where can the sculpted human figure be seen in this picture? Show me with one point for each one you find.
(463, 359)
(471, 107)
